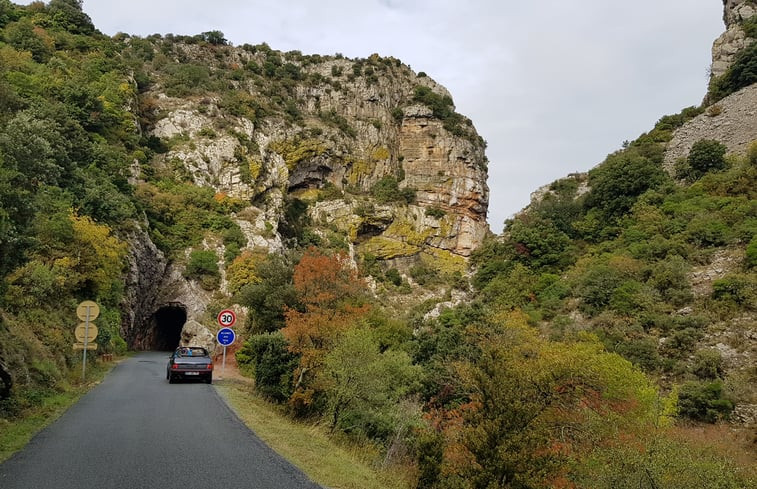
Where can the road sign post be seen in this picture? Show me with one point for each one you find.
(86, 311)
(225, 336)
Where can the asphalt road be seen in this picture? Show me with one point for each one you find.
(135, 430)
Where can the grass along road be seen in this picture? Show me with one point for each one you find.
(309, 447)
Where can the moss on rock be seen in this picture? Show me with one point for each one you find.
(446, 262)
(296, 150)
(405, 230)
(386, 248)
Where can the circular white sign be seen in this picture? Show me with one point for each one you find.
(227, 318)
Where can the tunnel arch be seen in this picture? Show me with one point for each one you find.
(166, 324)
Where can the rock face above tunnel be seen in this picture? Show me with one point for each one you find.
(159, 301)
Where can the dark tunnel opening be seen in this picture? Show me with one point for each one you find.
(167, 323)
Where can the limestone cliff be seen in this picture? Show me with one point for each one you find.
(349, 131)
(369, 149)
(734, 39)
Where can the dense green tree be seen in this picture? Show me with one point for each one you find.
(524, 389)
(538, 244)
(620, 180)
(657, 461)
(214, 37)
(8, 12)
(68, 15)
(706, 155)
(268, 357)
(742, 73)
(269, 298)
(363, 384)
(704, 401)
(203, 266)
(22, 36)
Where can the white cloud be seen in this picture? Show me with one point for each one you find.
(553, 86)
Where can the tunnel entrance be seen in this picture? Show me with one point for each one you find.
(167, 323)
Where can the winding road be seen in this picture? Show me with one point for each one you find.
(134, 431)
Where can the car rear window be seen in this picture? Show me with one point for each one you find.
(192, 352)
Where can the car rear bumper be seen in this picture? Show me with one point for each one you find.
(190, 373)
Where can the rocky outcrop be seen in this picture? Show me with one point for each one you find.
(145, 272)
(732, 121)
(159, 301)
(323, 130)
(449, 175)
(734, 39)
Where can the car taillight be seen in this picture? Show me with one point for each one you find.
(210, 366)
(175, 366)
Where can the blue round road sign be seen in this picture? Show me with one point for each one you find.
(226, 336)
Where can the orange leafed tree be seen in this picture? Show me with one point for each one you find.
(333, 296)
(326, 281)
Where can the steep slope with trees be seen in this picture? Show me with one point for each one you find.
(336, 205)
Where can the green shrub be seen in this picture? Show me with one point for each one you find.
(737, 288)
(203, 267)
(750, 27)
(215, 38)
(671, 279)
(682, 341)
(387, 191)
(539, 244)
(708, 365)
(705, 231)
(185, 79)
(703, 401)
(442, 108)
(435, 212)
(751, 253)
(393, 275)
(596, 287)
(752, 151)
(335, 119)
(268, 299)
(267, 356)
(620, 180)
(642, 352)
(706, 155)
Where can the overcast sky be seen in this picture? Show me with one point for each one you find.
(553, 86)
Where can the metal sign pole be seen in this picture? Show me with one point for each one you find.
(223, 367)
(86, 337)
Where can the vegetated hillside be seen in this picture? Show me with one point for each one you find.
(654, 249)
(166, 177)
(325, 199)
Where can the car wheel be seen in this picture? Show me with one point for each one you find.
(170, 378)
(209, 379)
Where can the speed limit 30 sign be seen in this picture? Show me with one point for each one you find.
(227, 318)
